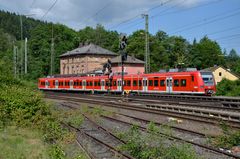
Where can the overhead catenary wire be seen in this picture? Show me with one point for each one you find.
(98, 11)
(224, 30)
(186, 9)
(229, 36)
(139, 15)
(208, 21)
(49, 9)
(33, 2)
(167, 9)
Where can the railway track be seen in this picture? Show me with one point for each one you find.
(199, 115)
(170, 137)
(192, 97)
(97, 141)
(214, 105)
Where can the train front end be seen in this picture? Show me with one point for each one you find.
(209, 83)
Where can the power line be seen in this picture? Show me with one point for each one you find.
(95, 14)
(220, 31)
(49, 9)
(32, 3)
(208, 22)
(183, 10)
(168, 8)
(229, 36)
(138, 15)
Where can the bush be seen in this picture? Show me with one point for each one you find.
(152, 145)
(228, 88)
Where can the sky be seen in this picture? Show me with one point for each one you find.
(218, 19)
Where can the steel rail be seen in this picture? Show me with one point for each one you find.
(99, 141)
(170, 136)
(188, 116)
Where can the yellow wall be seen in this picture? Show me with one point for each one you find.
(224, 74)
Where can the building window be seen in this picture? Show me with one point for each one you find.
(220, 73)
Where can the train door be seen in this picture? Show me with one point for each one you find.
(119, 85)
(46, 84)
(169, 85)
(145, 84)
(56, 84)
(83, 84)
(102, 84)
(71, 84)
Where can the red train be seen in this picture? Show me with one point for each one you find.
(192, 82)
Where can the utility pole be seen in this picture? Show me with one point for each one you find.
(15, 61)
(26, 56)
(147, 57)
(21, 51)
(52, 54)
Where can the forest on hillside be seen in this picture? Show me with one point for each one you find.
(165, 51)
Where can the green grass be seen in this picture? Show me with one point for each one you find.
(21, 143)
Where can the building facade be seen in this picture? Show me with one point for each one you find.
(84, 59)
(220, 73)
(131, 66)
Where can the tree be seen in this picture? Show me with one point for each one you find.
(206, 53)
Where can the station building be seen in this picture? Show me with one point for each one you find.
(84, 59)
(90, 59)
(131, 66)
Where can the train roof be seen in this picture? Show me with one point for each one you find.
(128, 75)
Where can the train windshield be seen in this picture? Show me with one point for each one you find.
(207, 78)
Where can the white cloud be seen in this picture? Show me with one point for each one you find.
(79, 13)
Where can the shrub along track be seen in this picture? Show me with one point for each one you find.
(143, 128)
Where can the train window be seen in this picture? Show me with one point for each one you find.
(87, 83)
(75, 83)
(139, 82)
(84, 83)
(192, 78)
(176, 82)
(71, 83)
(91, 83)
(114, 83)
(128, 83)
(79, 83)
(162, 83)
(56, 83)
(150, 83)
(134, 82)
(53, 82)
(95, 83)
(183, 82)
(155, 83)
(98, 83)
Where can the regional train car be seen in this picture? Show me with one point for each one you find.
(188, 82)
